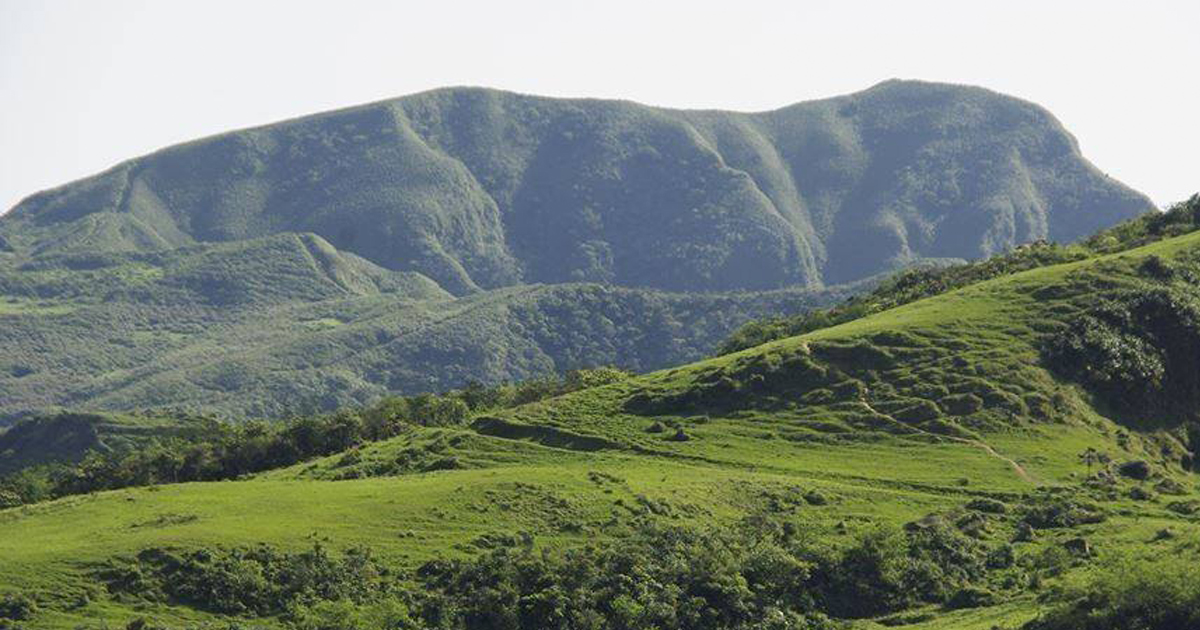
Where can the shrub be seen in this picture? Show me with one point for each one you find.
(388, 614)
(1136, 469)
(9, 499)
(988, 506)
(253, 581)
(439, 411)
(17, 607)
(812, 497)
(680, 436)
(594, 377)
(1054, 513)
(761, 574)
(1136, 349)
(971, 597)
(1163, 595)
(667, 578)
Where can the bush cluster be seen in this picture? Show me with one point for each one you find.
(16, 607)
(762, 574)
(1163, 595)
(258, 581)
(1136, 349)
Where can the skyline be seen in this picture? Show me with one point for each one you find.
(86, 85)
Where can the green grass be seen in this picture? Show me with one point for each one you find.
(583, 466)
(323, 323)
(18, 306)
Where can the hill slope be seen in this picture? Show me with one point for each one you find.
(287, 324)
(951, 416)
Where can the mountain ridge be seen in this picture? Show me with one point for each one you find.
(471, 182)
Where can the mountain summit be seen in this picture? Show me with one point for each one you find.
(479, 189)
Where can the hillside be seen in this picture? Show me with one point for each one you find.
(287, 324)
(466, 234)
(69, 437)
(972, 459)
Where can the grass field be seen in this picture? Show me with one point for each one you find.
(879, 421)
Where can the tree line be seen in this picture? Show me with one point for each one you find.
(215, 450)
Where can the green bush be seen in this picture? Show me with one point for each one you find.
(254, 581)
(17, 607)
(1163, 595)
(762, 573)
(1136, 348)
(1050, 513)
(666, 578)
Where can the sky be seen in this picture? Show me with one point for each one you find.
(85, 84)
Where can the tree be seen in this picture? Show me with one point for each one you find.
(1092, 457)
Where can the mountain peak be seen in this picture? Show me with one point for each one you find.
(478, 188)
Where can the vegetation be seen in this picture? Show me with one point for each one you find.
(254, 329)
(962, 448)
(1163, 595)
(67, 437)
(926, 281)
(211, 450)
(902, 288)
(762, 573)
(927, 466)
(260, 581)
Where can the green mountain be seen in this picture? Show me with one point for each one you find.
(481, 189)
(1006, 444)
(468, 234)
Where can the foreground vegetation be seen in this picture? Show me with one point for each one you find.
(941, 464)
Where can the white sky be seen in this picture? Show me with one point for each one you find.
(85, 84)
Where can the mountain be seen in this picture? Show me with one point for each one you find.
(1013, 450)
(439, 238)
(481, 189)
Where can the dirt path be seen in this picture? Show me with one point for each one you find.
(987, 448)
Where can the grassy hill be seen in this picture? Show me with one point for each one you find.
(945, 463)
(464, 234)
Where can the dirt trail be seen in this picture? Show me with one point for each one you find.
(987, 448)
